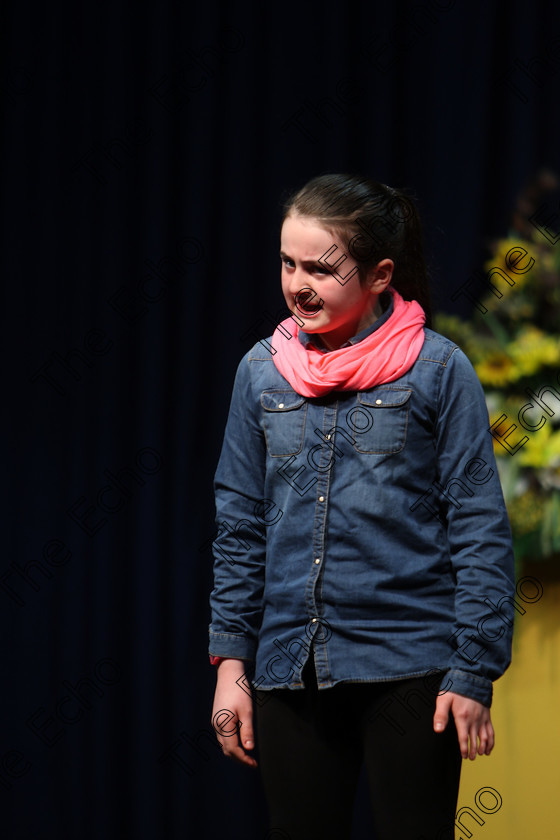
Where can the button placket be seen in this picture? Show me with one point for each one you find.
(321, 507)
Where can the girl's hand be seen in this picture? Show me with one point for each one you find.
(472, 720)
(232, 713)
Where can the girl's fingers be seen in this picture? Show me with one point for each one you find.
(490, 738)
(441, 715)
(229, 730)
(462, 736)
(481, 736)
(236, 752)
(474, 734)
(482, 741)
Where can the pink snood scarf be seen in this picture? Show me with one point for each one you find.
(383, 356)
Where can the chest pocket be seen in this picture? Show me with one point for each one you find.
(379, 421)
(284, 422)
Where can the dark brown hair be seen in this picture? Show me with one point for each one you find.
(373, 222)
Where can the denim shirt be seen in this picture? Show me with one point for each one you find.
(366, 529)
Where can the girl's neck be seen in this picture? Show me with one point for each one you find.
(336, 338)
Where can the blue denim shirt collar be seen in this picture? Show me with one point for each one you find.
(315, 339)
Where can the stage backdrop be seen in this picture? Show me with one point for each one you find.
(145, 151)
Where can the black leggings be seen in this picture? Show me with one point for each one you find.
(311, 746)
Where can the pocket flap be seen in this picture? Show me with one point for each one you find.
(385, 397)
(281, 400)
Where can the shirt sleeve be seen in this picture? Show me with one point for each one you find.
(242, 516)
(479, 535)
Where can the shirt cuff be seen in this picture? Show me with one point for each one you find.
(469, 685)
(232, 646)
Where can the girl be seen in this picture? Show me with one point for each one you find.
(363, 568)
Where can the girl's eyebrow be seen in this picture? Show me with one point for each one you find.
(306, 263)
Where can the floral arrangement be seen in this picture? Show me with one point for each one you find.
(513, 342)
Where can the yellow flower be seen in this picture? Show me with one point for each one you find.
(542, 449)
(497, 369)
(512, 256)
(501, 440)
(533, 349)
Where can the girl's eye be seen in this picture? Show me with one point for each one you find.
(315, 269)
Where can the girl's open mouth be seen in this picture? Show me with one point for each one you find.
(307, 303)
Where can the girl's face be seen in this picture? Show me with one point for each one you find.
(335, 307)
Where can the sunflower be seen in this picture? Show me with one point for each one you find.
(515, 257)
(497, 369)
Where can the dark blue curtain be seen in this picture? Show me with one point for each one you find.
(145, 152)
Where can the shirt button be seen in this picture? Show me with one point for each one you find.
(328, 437)
(317, 560)
(281, 405)
(321, 498)
(377, 402)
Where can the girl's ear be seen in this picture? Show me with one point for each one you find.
(379, 277)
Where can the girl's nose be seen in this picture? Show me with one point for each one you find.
(298, 281)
